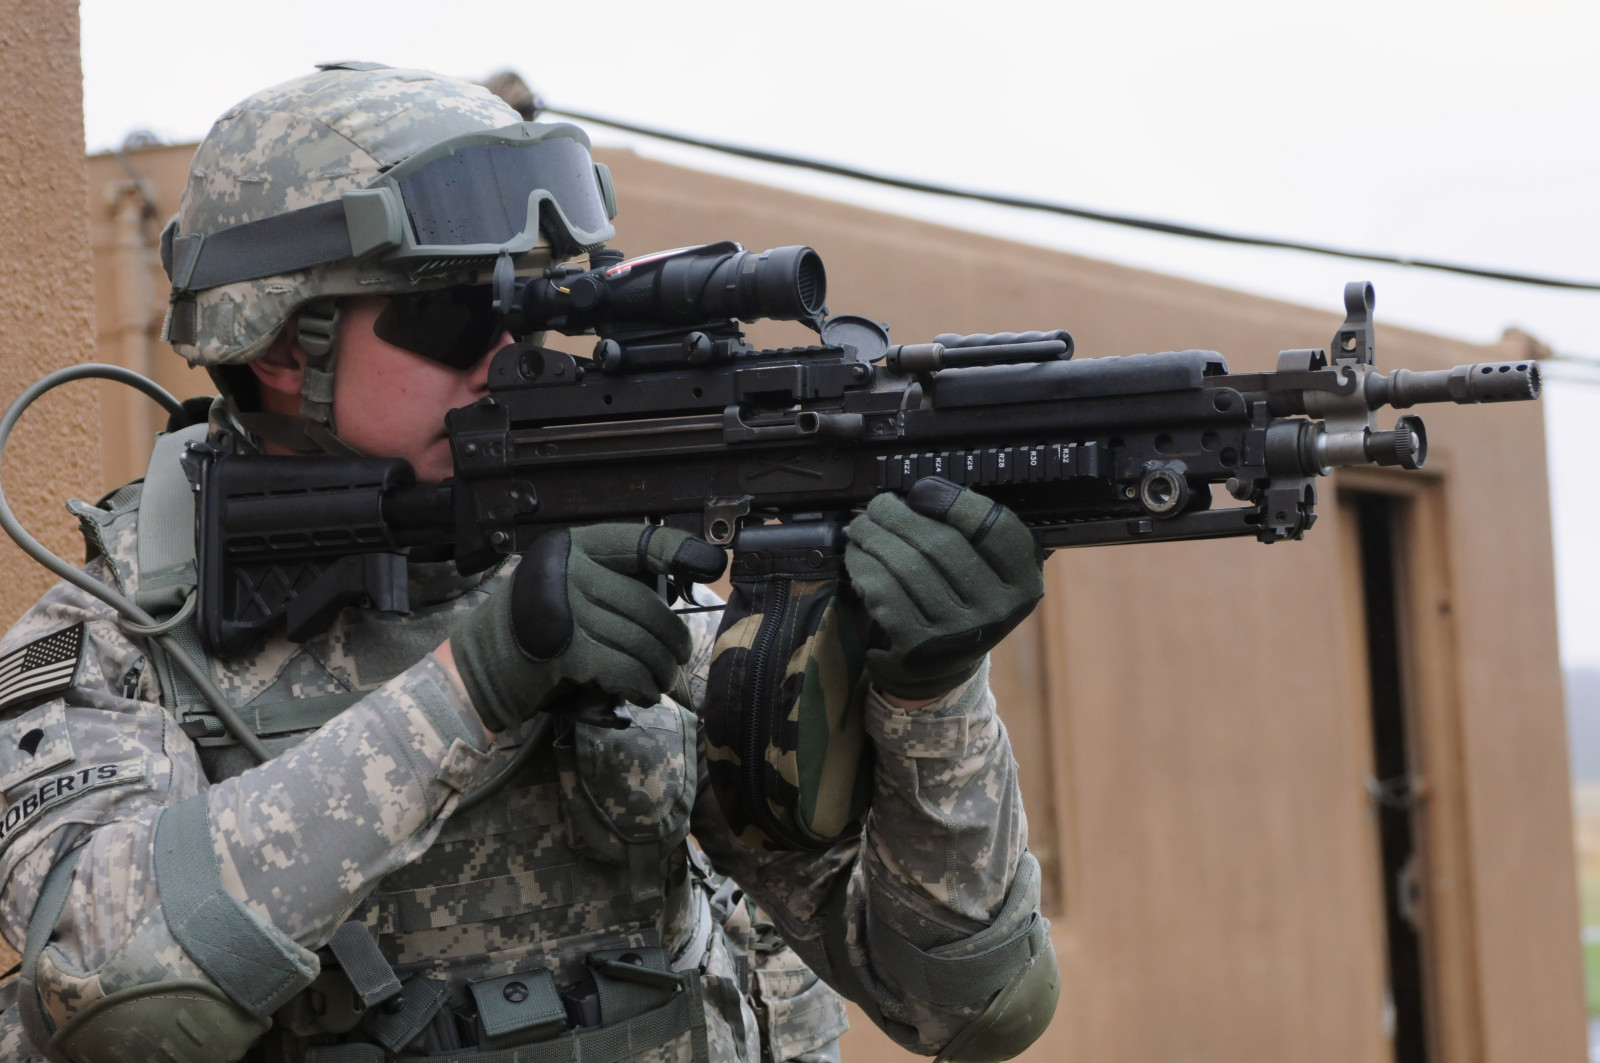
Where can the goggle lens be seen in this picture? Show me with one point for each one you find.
(479, 194)
(455, 327)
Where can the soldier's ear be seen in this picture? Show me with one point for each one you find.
(282, 369)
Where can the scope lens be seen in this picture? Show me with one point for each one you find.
(790, 284)
(811, 284)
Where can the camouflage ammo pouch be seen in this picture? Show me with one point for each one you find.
(626, 795)
(785, 700)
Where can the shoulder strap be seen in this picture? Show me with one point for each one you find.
(165, 559)
(166, 526)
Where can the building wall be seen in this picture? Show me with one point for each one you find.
(46, 298)
(131, 196)
(1191, 720)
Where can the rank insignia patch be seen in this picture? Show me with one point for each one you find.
(46, 665)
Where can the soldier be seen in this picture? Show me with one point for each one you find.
(354, 898)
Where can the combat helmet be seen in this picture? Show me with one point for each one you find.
(362, 179)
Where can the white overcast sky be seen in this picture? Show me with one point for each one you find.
(1462, 130)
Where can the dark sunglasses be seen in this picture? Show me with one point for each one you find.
(452, 326)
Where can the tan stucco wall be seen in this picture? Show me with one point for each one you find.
(46, 299)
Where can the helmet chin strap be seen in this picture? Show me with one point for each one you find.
(312, 431)
(318, 336)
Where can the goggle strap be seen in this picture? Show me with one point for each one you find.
(283, 243)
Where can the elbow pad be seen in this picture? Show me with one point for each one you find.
(249, 968)
(1008, 969)
(184, 1022)
(1016, 1017)
(181, 1021)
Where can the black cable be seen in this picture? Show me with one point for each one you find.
(144, 623)
(1125, 220)
(538, 735)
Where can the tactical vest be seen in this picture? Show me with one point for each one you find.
(533, 929)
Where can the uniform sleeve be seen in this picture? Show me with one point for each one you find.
(938, 880)
(294, 844)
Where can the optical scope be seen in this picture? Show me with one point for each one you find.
(686, 286)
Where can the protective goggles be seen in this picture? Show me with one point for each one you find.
(486, 193)
(464, 202)
(453, 326)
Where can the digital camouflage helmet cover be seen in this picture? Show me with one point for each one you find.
(362, 179)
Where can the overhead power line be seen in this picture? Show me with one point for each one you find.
(1128, 221)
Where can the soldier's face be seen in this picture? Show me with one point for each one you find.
(391, 403)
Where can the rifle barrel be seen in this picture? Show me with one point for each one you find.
(1465, 384)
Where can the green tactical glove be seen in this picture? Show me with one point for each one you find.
(574, 614)
(945, 574)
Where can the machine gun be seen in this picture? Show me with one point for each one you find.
(677, 418)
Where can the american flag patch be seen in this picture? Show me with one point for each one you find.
(44, 666)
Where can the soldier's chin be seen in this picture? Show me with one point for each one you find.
(435, 463)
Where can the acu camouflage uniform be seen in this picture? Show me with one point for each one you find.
(582, 857)
(579, 871)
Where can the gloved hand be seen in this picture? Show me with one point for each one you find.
(574, 613)
(945, 574)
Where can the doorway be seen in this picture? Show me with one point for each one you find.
(1395, 782)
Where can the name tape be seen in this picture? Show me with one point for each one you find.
(59, 789)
